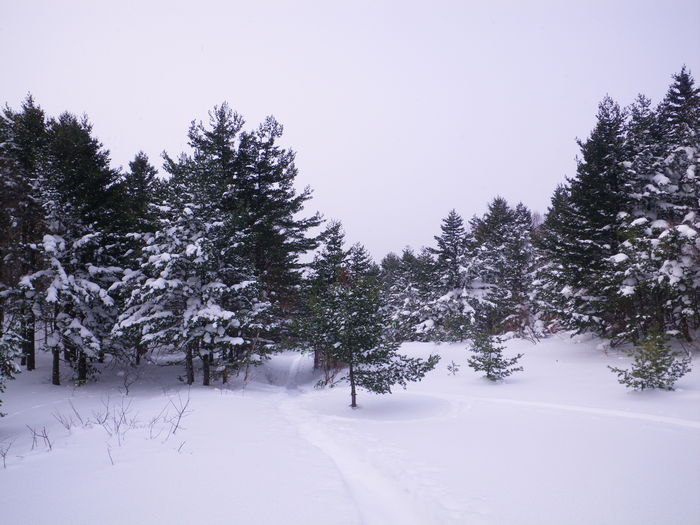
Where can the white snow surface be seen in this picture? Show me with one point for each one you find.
(560, 443)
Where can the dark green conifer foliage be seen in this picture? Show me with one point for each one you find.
(488, 358)
(450, 251)
(655, 365)
(502, 258)
(139, 188)
(408, 283)
(347, 322)
(679, 113)
(313, 325)
(554, 242)
(361, 334)
(583, 235)
(329, 261)
(255, 183)
(23, 145)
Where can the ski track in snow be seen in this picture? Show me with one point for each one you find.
(379, 499)
(293, 372)
(688, 423)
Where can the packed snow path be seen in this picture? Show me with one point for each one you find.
(560, 443)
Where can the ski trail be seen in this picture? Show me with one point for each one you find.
(688, 423)
(293, 371)
(379, 499)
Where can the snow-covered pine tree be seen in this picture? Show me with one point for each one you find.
(141, 192)
(193, 293)
(642, 297)
(270, 211)
(312, 323)
(10, 344)
(451, 251)
(72, 293)
(23, 146)
(256, 186)
(502, 256)
(139, 188)
(521, 254)
(655, 365)
(657, 269)
(488, 357)
(358, 336)
(585, 229)
(553, 242)
(79, 251)
(407, 291)
(450, 312)
(679, 181)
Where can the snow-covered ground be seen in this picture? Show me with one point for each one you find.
(560, 443)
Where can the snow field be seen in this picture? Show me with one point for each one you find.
(561, 442)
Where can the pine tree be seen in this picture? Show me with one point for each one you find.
(450, 314)
(679, 120)
(407, 291)
(450, 252)
(139, 188)
(655, 365)
(23, 147)
(583, 235)
(553, 244)
(254, 181)
(312, 325)
(10, 343)
(359, 337)
(488, 358)
(503, 260)
(656, 269)
(194, 294)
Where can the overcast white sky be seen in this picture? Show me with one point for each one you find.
(398, 111)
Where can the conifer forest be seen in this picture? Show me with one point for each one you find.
(210, 270)
(204, 264)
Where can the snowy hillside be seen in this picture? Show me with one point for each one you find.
(560, 443)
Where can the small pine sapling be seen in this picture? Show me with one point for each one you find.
(655, 365)
(488, 358)
(453, 368)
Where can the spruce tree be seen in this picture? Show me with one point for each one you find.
(254, 181)
(654, 365)
(586, 233)
(408, 293)
(679, 120)
(502, 257)
(359, 333)
(488, 358)
(450, 314)
(312, 325)
(23, 150)
(451, 251)
(656, 270)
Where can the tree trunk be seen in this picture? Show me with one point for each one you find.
(189, 365)
(140, 350)
(205, 370)
(31, 342)
(353, 394)
(82, 368)
(56, 372)
(24, 332)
